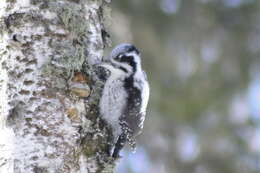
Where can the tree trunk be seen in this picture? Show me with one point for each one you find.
(49, 91)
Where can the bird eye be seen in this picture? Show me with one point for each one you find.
(119, 57)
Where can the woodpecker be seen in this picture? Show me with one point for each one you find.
(125, 96)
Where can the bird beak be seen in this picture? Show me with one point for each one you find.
(104, 64)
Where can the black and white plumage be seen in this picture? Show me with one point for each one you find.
(125, 96)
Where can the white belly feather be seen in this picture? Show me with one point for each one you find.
(112, 103)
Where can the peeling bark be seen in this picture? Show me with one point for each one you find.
(49, 92)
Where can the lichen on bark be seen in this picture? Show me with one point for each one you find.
(49, 90)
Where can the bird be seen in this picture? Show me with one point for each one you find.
(124, 97)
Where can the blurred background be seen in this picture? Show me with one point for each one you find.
(202, 58)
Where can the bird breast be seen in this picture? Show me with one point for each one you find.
(113, 101)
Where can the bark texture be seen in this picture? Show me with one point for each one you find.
(48, 89)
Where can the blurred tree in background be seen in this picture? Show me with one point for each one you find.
(202, 60)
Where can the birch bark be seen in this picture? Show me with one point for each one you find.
(48, 90)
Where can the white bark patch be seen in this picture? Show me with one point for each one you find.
(23, 3)
(95, 52)
(4, 107)
(6, 134)
(48, 14)
(43, 52)
(58, 30)
(83, 162)
(2, 9)
(6, 158)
